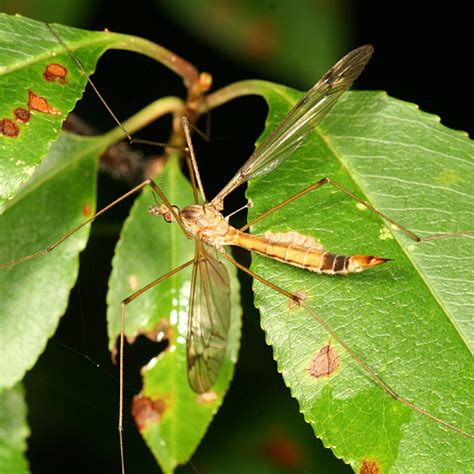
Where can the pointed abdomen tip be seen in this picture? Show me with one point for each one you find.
(378, 260)
(361, 262)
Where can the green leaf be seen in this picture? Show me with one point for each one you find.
(408, 320)
(60, 195)
(173, 419)
(27, 49)
(13, 431)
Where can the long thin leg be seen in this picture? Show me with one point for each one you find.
(206, 135)
(324, 181)
(130, 138)
(194, 170)
(147, 182)
(297, 299)
(125, 302)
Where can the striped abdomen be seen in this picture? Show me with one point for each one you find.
(302, 251)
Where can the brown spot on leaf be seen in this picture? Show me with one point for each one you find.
(40, 104)
(369, 467)
(324, 363)
(207, 397)
(299, 296)
(86, 209)
(113, 354)
(9, 128)
(146, 411)
(55, 73)
(22, 115)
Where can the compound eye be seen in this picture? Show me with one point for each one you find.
(169, 216)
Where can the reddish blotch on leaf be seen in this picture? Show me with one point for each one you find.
(55, 73)
(40, 104)
(9, 128)
(22, 115)
(369, 467)
(146, 411)
(86, 209)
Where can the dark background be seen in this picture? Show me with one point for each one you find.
(421, 55)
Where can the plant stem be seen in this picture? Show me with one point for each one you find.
(232, 91)
(151, 112)
(172, 61)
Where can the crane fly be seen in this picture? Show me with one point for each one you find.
(209, 312)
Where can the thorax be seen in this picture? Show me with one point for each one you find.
(206, 223)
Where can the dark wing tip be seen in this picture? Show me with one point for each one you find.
(366, 49)
(363, 53)
(341, 76)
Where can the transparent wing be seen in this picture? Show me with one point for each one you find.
(293, 130)
(209, 319)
